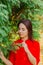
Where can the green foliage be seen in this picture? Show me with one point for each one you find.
(11, 11)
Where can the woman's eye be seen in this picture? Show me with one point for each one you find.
(22, 29)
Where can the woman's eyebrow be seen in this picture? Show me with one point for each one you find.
(22, 28)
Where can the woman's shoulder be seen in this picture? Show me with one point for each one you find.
(17, 41)
(36, 43)
(33, 41)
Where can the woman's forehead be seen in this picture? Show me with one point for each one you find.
(21, 25)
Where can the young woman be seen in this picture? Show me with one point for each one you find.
(29, 53)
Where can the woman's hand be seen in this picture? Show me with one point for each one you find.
(24, 45)
(1, 55)
(6, 61)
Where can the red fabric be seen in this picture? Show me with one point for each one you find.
(20, 57)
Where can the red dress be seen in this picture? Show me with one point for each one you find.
(20, 57)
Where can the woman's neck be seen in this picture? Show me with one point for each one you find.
(25, 38)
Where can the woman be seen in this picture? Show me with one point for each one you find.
(29, 53)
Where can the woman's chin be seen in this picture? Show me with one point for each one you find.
(21, 36)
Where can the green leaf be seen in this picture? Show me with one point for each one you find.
(3, 33)
(1, 64)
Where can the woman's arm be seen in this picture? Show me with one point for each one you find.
(30, 56)
(6, 61)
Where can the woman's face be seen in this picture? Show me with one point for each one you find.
(23, 32)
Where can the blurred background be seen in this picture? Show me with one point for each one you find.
(41, 49)
(11, 11)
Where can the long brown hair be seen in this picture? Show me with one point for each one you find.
(28, 25)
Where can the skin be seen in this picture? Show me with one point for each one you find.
(23, 32)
